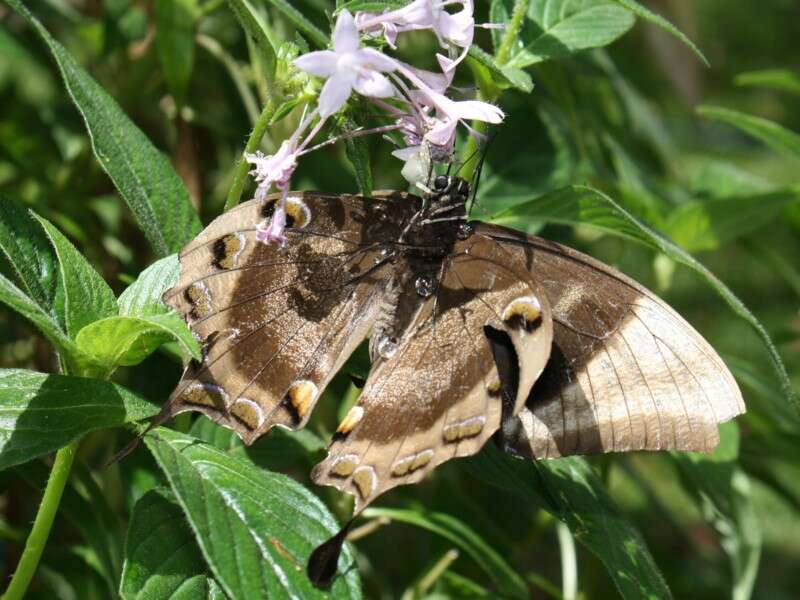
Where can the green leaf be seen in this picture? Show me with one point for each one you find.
(162, 560)
(707, 225)
(253, 24)
(143, 297)
(506, 580)
(82, 296)
(143, 176)
(722, 489)
(41, 413)
(306, 27)
(256, 529)
(556, 28)
(777, 79)
(570, 491)
(127, 341)
(357, 150)
(29, 253)
(770, 133)
(645, 13)
(502, 76)
(175, 43)
(579, 205)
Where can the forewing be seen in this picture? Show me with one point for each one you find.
(276, 323)
(440, 394)
(626, 371)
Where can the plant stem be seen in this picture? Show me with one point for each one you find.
(40, 531)
(239, 176)
(512, 32)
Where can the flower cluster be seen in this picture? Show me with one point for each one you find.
(415, 100)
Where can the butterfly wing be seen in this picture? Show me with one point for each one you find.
(439, 394)
(276, 323)
(626, 371)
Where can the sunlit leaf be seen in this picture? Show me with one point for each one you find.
(557, 28)
(41, 413)
(143, 176)
(502, 76)
(253, 24)
(256, 529)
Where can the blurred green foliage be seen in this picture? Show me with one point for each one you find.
(708, 156)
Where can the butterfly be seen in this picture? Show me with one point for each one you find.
(475, 331)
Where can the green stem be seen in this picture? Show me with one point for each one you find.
(512, 32)
(240, 175)
(37, 539)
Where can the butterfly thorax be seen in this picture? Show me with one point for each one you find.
(421, 250)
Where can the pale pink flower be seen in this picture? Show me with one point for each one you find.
(347, 67)
(452, 30)
(272, 232)
(275, 169)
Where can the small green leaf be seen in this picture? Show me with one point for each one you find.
(570, 491)
(162, 559)
(579, 205)
(770, 133)
(82, 296)
(506, 580)
(143, 176)
(306, 27)
(648, 15)
(373, 6)
(502, 76)
(41, 413)
(357, 150)
(175, 43)
(722, 489)
(556, 28)
(255, 27)
(256, 529)
(127, 341)
(777, 79)
(29, 253)
(143, 296)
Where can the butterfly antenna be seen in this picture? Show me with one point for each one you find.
(476, 177)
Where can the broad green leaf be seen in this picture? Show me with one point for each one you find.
(41, 413)
(127, 341)
(162, 560)
(778, 79)
(143, 176)
(304, 26)
(253, 24)
(256, 529)
(502, 76)
(556, 28)
(175, 43)
(707, 225)
(579, 205)
(648, 15)
(82, 296)
(30, 254)
(569, 489)
(770, 133)
(143, 297)
(723, 490)
(506, 580)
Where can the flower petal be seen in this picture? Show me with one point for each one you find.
(374, 85)
(345, 34)
(480, 111)
(334, 94)
(369, 58)
(320, 64)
